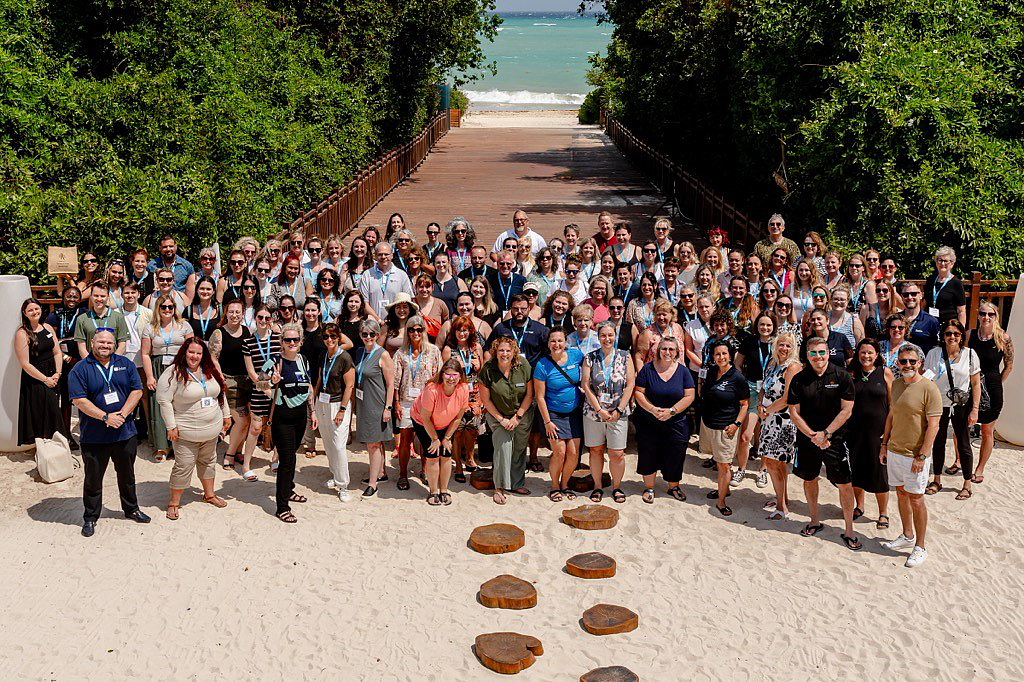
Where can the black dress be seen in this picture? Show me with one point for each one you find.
(870, 409)
(991, 359)
(39, 409)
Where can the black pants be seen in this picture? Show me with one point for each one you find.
(961, 436)
(288, 427)
(95, 459)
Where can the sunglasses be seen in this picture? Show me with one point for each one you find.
(263, 318)
(685, 295)
(984, 314)
(882, 291)
(433, 233)
(907, 361)
(313, 249)
(650, 251)
(367, 335)
(572, 272)
(248, 286)
(291, 339)
(774, 224)
(403, 240)
(296, 242)
(616, 307)
(531, 293)
(416, 330)
(817, 353)
(327, 280)
(783, 306)
(897, 327)
(856, 265)
(810, 244)
(287, 307)
(911, 293)
(890, 266)
(871, 260)
(545, 258)
(952, 333)
(167, 307)
(661, 229)
(330, 336)
(414, 259)
(90, 260)
(210, 258)
(275, 250)
(819, 296)
(460, 231)
(238, 263)
(264, 271)
(165, 279)
(778, 257)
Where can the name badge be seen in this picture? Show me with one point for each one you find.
(267, 366)
(384, 303)
(605, 399)
(325, 398)
(359, 394)
(207, 402)
(703, 373)
(759, 385)
(110, 398)
(934, 312)
(166, 360)
(522, 356)
(520, 385)
(928, 374)
(414, 393)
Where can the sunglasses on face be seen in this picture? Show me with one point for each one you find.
(856, 265)
(871, 260)
(90, 260)
(882, 291)
(327, 280)
(291, 339)
(783, 306)
(907, 361)
(778, 257)
(165, 279)
(296, 242)
(819, 296)
(810, 244)
(817, 353)
(531, 293)
(367, 335)
(661, 229)
(415, 330)
(403, 240)
(432, 233)
(287, 307)
(330, 336)
(572, 272)
(545, 257)
(897, 327)
(237, 263)
(650, 251)
(275, 250)
(263, 318)
(248, 286)
(985, 314)
(263, 271)
(685, 295)
(889, 266)
(911, 294)
(459, 231)
(209, 258)
(952, 333)
(616, 307)
(167, 307)
(314, 249)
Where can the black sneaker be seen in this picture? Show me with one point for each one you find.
(369, 492)
(708, 463)
(382, 478)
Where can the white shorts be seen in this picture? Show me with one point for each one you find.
(900, 475)
(610, 434)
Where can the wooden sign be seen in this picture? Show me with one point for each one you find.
(497, 538)
(612, 673)
(508, 592)
(591, 517)
(590, 565)
(482, 479)
(62, 260)
(507, 652)
(608, 619)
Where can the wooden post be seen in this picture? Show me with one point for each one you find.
(973, 300)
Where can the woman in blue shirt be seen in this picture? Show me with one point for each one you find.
(556, 382)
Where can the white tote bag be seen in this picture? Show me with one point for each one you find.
(54, 459)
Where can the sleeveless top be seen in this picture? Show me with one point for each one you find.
(448, 293)
(990, 357)
(41, 357)
(846, 329)
(657, 336)
(232, 357)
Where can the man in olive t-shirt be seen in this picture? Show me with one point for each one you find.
(100, 316)
(910, 431)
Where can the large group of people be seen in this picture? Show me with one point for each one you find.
(786, 357)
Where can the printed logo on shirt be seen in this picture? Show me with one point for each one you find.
(831, 385)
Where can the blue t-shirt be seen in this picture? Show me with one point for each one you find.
(89, 380)
(560, 395)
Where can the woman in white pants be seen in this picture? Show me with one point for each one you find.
(334, 383)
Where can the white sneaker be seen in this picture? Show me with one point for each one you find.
(916, 557)
(331, 484)
(762, 478)
(737, 478)
(901, 542)
(343, 495)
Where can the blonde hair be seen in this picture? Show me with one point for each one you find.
(176, 317)
(526, 241)
(794, 353)
(502, 341)
(579, 250)
(663, 221)
(815, 275)
(581, 311)
(998, 333)
(703, 256)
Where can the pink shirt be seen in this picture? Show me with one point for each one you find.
(444, 409)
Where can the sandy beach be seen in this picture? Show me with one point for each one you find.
(386, 589)
(521, 119)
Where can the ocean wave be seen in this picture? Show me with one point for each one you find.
(523, 97)
(545, 24)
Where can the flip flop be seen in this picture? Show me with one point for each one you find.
(851, 542)
(857, 513)
(725, 511)
(952, 469)
(777, 516)
(676, 493)
(965, 494)
(648, 495)
(555, 495)
(535, 465)
(434, 500)
(403, 484)
(810, 531)
(880, 523)
(978, 479)
(460, 477)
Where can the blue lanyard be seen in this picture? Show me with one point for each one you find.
(607, 370)
(618, 328)
(259, 346)
(522, 335)
(95, 324)
(291, 289)
(860, 291)
(359, 367)
(649, 317)
(467, 361)
(671, 297)
(764, 359)
(462, 254)
(325, 314)
(553, 324)
(108, 375)
(384, 279)
(201, 379)
(414, 371)
(168, 339)
(327, 369)
(204, 322)
(63, 323)
(506, 294)
(938, 290)
(589, 273)
(401, 261)
(878, 318)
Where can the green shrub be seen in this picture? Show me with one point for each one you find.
(590, 110)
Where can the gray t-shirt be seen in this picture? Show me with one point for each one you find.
(380, 288)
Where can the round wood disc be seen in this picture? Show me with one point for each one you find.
(497, 538)
(508, 592)
(612, 673)
(590, 565)
(591, 517)
(584, 484)
(507, 652)
(608, 619)
(482, 479)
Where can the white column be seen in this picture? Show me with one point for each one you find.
(14, 289)
(1010, 426)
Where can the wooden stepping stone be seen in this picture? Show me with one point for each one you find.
(591, 517)
(507, 652)
(608, 619)
(584, 484)
(497, 538)
(590, 565)
(508, 592)
(482, 479)
(612, 673)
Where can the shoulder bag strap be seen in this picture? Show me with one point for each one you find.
(565, 374)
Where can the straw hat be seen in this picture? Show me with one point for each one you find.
(402, 297)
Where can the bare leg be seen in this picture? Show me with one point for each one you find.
(743, 446)
(858, 497)
(430, 464)
(572, 458)
(376, 456)
(555, 466)
(724, 474)
(846, 501)
(811, 493)
(617, 467)
(777, 471)
(882, 499)
(988, 439)
(255, 426)
(920, 512)
(906, 512)
(404, 448)
(444, 472)
(236, 438)
(597, 466)
(469, 446)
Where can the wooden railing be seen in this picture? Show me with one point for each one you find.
(345, 207)
(999, 291)
(697, 201)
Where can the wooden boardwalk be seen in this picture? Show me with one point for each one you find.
(557, 175)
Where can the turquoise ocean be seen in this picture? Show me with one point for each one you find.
(542, 62)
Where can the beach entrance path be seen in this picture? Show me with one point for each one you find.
(558, 175)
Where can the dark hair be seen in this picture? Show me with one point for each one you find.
(166, 237)
(282, 277)
(449, 364)
(224, 311)
(388, 229)
(858, 371)
(955, 323)
(355, 262)
(207, 366)
(518, 298)
(207, 278)
(344, 305)
(721, 315)
(336, 289)
(649, 277)
(724, 344)
(32, 340)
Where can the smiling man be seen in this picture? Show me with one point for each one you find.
(775, 240)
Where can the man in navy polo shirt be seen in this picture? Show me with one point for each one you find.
(531, 335)
(504, 283)
(922, 328)
(105, 388)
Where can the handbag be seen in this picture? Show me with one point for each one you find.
(957, 396)
(54, 459)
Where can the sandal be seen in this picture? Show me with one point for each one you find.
(677, 494)
(569, 495)
(555, 495)
(295, 497)
(978, 478)
(535, 465)
(857, 513)
(229, 463)
(932, 488)
(952, 469)
(520, 491)
(596, 494)
(618, 495)
(403, 483)
(287, 517)
(459, 477)
(471, 468)
(770, 505)
(880, 524)
(499, 497)
(778, 516)
(810, 531)
(852, 542)
(964, 494)
(160, 455)
(648, 495)
(172, 512)
(215, 501)
(250, 476)
(434, 500)
(446, 499)
(708, 463)
(726, 511)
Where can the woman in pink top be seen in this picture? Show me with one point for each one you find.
(436, 415)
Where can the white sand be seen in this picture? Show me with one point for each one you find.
(386, 589)
(521, 119)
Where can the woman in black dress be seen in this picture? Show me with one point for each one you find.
(995, 354)
(38, 351)
(872, 381)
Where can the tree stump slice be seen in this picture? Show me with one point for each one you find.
(612, 673)
(482, 479)
(508, 592)
(590, 565)
(507, 652)
(497, 538)
(608, 619)
(584, 484)
(591, 517)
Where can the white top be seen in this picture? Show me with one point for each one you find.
(580, 295)
(966, 366)
(137, 320)
(538, 242)
(698, 333)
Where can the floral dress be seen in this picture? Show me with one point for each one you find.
(778, 433)
(472, 417)
(411, 375)
(608, 388)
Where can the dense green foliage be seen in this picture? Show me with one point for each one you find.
(901, 121)
(124, 119)
(590, 110)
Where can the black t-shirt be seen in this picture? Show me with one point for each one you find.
(756, 356)
(313, 348)
(838, 347)
(951, 296)
(720, 398)
(467, 275)
(821, 397)
(532, 339)
(625, 336)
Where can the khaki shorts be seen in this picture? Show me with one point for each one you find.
(717, 444)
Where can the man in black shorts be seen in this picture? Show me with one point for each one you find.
(821, 400)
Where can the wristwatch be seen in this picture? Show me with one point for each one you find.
(105, 418)
(342, 408)
(737, 424)
(828, 436)
(920, 457)
(672, 410)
